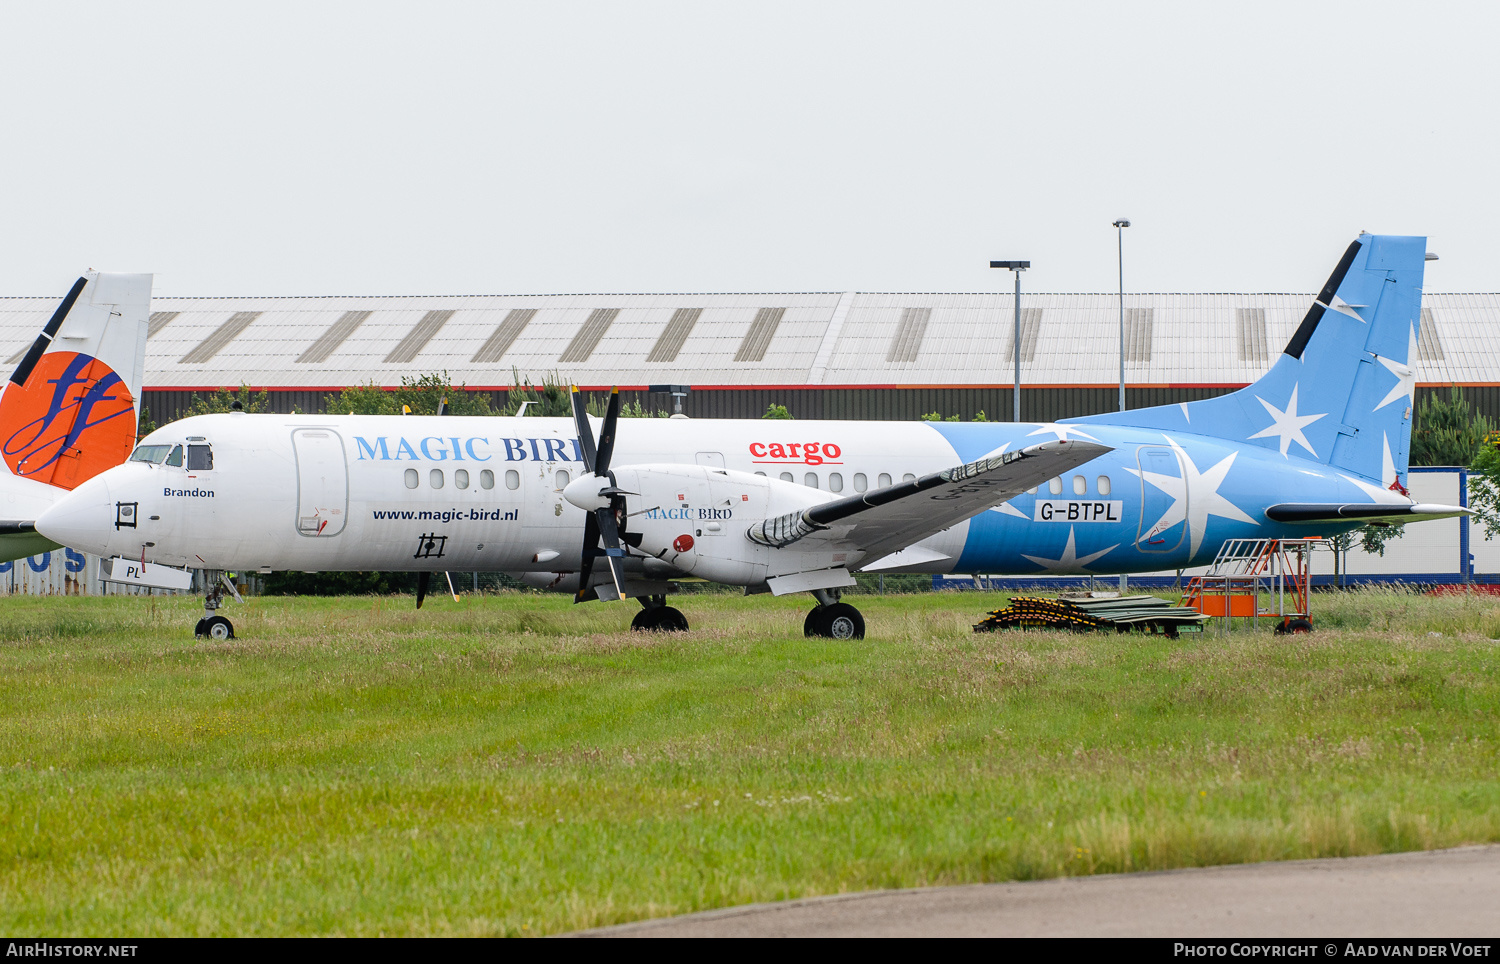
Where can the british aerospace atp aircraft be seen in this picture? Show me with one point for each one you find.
(618, 509)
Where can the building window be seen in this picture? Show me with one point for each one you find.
(435, 478)
(1055, 486)
(835, 482)
(810, 480)
(461, 478)
(787, 477)
(1103, 485)
(562, 478)
(884, 480)
(412, 479)
(1080, 485)
(860, 482)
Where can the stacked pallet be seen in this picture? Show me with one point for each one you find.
(1088, 612)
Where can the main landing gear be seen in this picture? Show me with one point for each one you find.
(657, 617)
(213, 626)
(833, 619)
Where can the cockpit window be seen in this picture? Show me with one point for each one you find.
(150, 453)
(176, 457)
(200, 458)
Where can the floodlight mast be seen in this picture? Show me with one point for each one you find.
(1120, 225)
(1016, 267)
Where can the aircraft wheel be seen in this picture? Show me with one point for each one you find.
(200, 630)
(839, 621)
(659, 619)
(218, 628)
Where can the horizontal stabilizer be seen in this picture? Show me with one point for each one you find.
(1315, 512)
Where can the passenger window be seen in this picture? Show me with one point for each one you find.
(835, 482)
(1055, 486)
(908, 477)
(810, 480)
(1103, 485)
(884, 480)
(860, 482)
(1080, 485)
(461, 478)
(412, 479)
(512, 479)
(200, 458)
(176, 457)
(762, 474)
(435, 478)
(786, 477)
(562, 478)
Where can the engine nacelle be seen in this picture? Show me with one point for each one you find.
(694, 519)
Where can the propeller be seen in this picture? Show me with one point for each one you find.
(604, 502)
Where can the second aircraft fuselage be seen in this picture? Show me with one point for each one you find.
(315, 493)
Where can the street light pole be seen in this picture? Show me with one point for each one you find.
(1016, 267)
(1120, 226)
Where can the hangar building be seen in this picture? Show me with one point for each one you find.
(822, 354)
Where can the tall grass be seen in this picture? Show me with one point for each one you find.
(514, 764)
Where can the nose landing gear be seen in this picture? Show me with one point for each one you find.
(833, 619)
(213, 626)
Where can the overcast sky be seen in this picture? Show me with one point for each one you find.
(492, 148)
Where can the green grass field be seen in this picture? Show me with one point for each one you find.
(513, 764)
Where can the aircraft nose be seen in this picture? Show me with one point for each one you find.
(84, 518)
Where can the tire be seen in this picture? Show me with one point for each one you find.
(200, 630)
(1299, 626)
(839, 621)
(218, 628)
(659, 619)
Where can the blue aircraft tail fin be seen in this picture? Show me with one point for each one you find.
(1341, 392)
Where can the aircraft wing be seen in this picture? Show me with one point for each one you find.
(883, 521)
(1311, 513)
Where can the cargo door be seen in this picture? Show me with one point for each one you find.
(322, 482)
(1163, 500)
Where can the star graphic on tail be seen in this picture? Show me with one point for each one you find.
(1288, 425)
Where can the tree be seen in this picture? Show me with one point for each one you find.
(775, 410)
(422, 394)
(1484, 489)
(223, 399)
(1448, 431)
(550, 399)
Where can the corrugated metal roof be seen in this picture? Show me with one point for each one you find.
(823, 338)
(330, 340)
(220, 338)
(420, 334)
(160, 320)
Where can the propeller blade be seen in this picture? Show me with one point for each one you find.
(585, 430)
(443, 405)
(614, 553)
(451, 591)
(607, 434)
(422, 579)
(590, 544)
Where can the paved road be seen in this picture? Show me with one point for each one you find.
(1443, 893)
